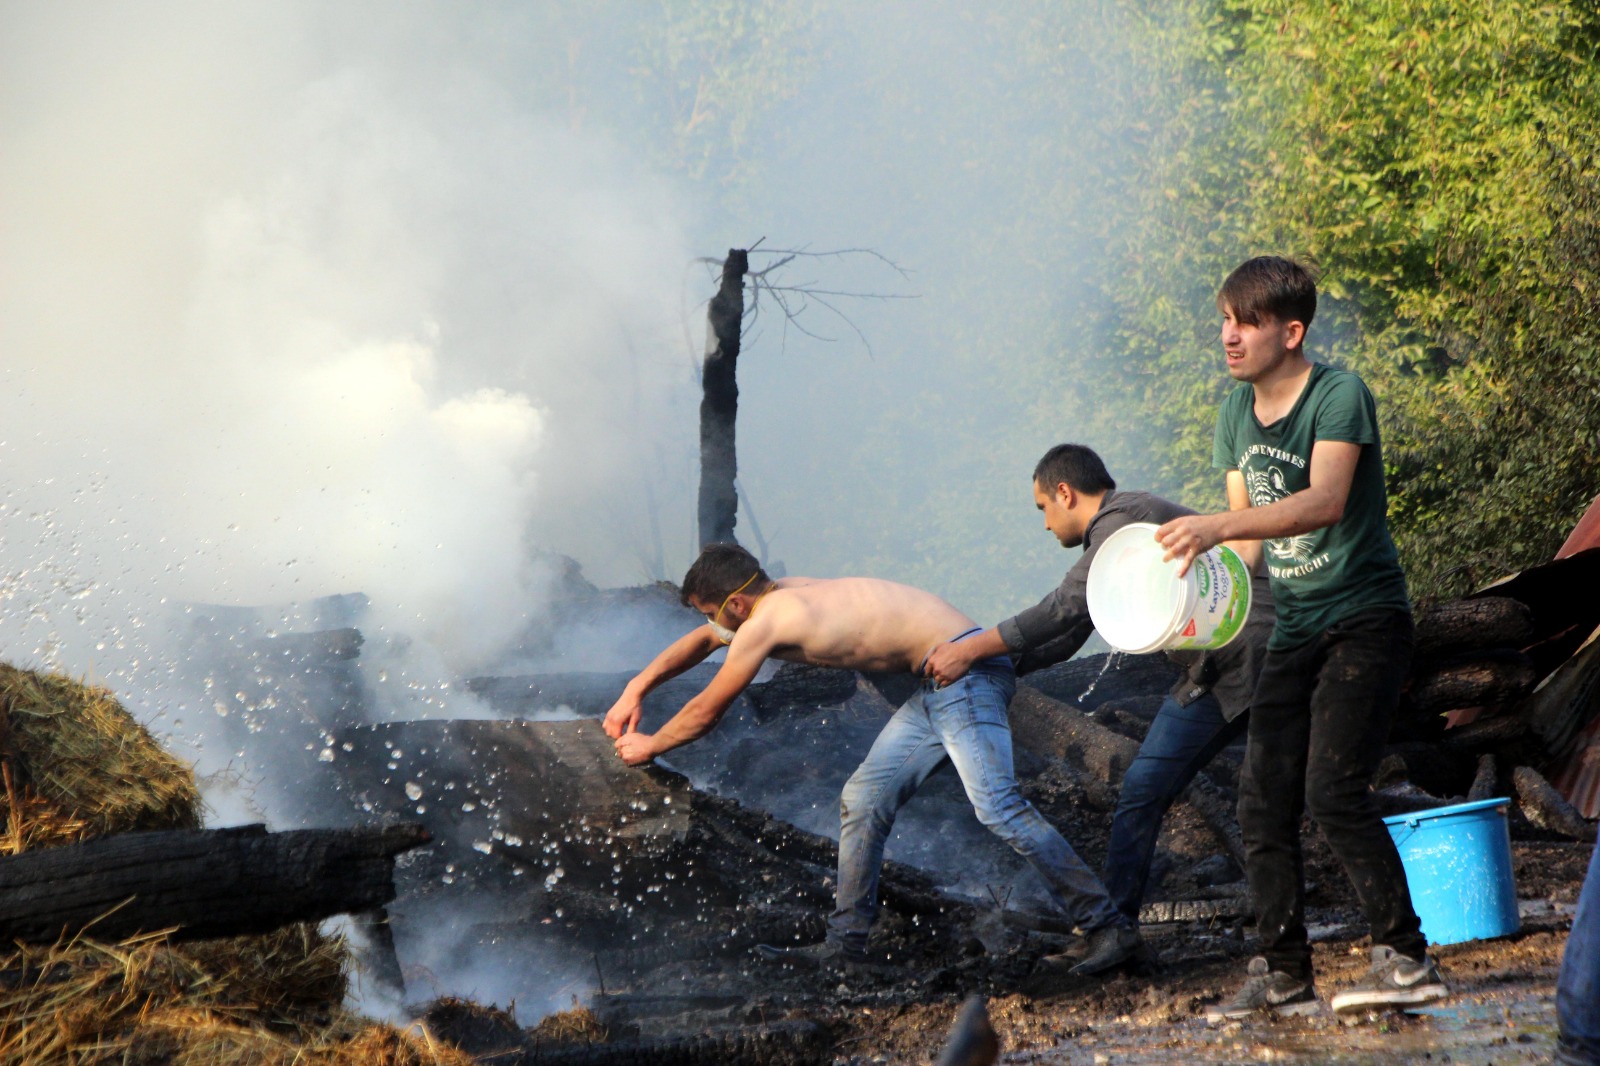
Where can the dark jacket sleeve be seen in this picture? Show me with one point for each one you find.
(1054, 629)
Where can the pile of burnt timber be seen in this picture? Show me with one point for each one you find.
(1505, 684)
(659, 884)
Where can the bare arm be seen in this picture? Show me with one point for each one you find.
(750, 647)
(949, 661)
(1319, 505)
(1238, 500)
(687, 651)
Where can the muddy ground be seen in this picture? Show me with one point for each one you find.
(1501, 1012)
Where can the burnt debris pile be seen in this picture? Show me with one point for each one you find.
(642, 892)
(1503, 701)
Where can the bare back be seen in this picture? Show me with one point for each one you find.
(856, 623)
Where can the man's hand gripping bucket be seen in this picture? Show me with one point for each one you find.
(1139, 604)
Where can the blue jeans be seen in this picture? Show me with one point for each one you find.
(1181, 740)
(966, 723)
(1578, 990)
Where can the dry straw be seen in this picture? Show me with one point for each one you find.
(76, 765)
(80, 766)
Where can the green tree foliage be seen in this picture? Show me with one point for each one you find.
(1434, 160)
(1101, 167)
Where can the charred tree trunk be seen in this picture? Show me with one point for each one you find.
(207, 883)
(719, 403)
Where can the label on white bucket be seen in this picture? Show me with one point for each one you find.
(1139, 604)
(1222, 600)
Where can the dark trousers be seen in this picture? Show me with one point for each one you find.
(1318, 723)
(1179, 743)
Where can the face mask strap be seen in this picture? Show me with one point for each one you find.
(719, 629)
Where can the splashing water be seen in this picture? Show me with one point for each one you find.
(1112, 658)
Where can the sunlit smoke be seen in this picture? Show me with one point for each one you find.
(282, 321)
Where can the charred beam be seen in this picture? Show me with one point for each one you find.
(1483, 622)
(1548, 809)
(204, 883)
(1486, 679)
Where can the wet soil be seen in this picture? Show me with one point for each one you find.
(1501, 1011)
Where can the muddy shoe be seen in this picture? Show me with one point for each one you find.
(1106, 948)
(1395, 980)
(825, 953)
(1265, 991)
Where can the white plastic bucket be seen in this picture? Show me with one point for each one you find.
(1139, 604)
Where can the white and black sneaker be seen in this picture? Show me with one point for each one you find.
(1395, 980)
(1266, 991)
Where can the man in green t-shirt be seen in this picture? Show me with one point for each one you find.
(1299, 443)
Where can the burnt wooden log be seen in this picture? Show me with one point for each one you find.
(589, 695)
(321, 646)
(552, 800)
(1493, 732)
(1548, 809)
(1486, 783)
(1195, 910)
(1485, 679)
(1482, 622)
(1060, 731)
(202, 882)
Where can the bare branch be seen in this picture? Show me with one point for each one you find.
(840, 253)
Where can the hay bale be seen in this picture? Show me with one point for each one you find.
(77, 766)
(80, 766)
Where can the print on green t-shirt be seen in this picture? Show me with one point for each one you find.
(1328, 574)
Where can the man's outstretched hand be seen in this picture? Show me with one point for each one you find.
(636, 748)
(623, 717)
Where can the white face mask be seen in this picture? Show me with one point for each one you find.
(723, 633)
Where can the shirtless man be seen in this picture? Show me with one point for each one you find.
(858, 623)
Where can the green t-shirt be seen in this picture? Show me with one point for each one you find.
(1328, 574)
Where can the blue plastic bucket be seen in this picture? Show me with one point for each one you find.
(1458, 865)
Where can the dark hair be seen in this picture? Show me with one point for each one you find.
(1077, 465)
(1269, 286)
(719, 572)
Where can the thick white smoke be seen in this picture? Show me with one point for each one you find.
(297, 301)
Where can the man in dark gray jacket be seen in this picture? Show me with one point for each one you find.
(1203, 714)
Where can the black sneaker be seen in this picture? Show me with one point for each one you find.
(1395, 980)
(1104, 949)
(824, 953)
(1266, 991)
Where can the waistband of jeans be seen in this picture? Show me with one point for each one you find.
(974, 631)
